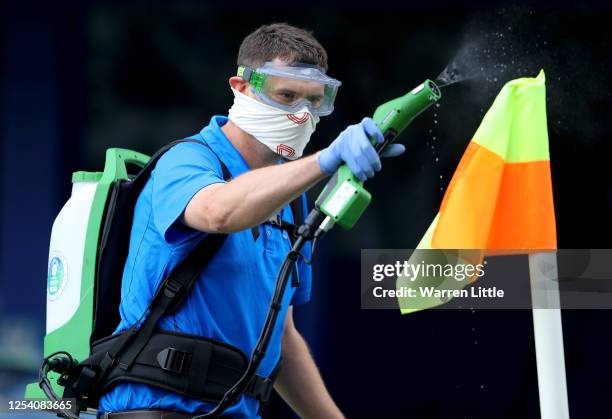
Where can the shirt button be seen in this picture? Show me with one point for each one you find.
(269, 232)
(285, 235)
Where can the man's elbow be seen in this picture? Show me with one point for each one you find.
(208, 218)
(216, 219)
(205, 212)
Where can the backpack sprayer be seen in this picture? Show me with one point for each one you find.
(342, 202)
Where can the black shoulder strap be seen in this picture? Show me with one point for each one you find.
(176, 286)
(297, 208)
(172, 290)
(143, 176)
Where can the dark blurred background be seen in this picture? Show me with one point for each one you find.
(78, 78)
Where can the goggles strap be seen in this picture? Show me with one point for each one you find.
(252, 76)
(245, 72)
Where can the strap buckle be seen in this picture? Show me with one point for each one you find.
(107, 361)
(174, 360)
(275, 220)
(260, 388)
(85, 380)
(171, 287)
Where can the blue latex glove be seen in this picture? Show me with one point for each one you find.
(354, 148)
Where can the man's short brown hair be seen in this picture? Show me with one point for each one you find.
(283, 41)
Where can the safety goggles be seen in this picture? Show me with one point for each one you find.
(293, 87)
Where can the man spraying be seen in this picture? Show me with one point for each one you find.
(228, 181)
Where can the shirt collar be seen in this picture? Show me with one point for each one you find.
(223, 147)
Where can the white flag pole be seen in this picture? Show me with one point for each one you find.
(548, 332)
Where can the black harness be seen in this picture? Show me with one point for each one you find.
(192, 366)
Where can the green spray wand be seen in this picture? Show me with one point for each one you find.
(342, 202)
(344, 198)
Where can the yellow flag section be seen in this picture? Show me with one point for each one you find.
(500, 198)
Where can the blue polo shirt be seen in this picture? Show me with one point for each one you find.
(230, 300)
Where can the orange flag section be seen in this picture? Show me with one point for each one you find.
(491, 204)
(500, 197)
(499, 200)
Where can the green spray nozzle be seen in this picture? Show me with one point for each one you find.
(344, 198)
(394, 116)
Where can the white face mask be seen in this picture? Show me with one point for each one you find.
(284, 133)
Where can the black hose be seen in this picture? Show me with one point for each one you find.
(259, 352)
(61, 365)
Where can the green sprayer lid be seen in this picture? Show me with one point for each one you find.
(86, 176)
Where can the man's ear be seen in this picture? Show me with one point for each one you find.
(238, 83)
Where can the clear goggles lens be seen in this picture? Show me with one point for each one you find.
(294, 87)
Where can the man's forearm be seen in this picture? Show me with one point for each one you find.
(252, 197)
(300, 384)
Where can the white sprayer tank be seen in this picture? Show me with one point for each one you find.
(66, 251)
